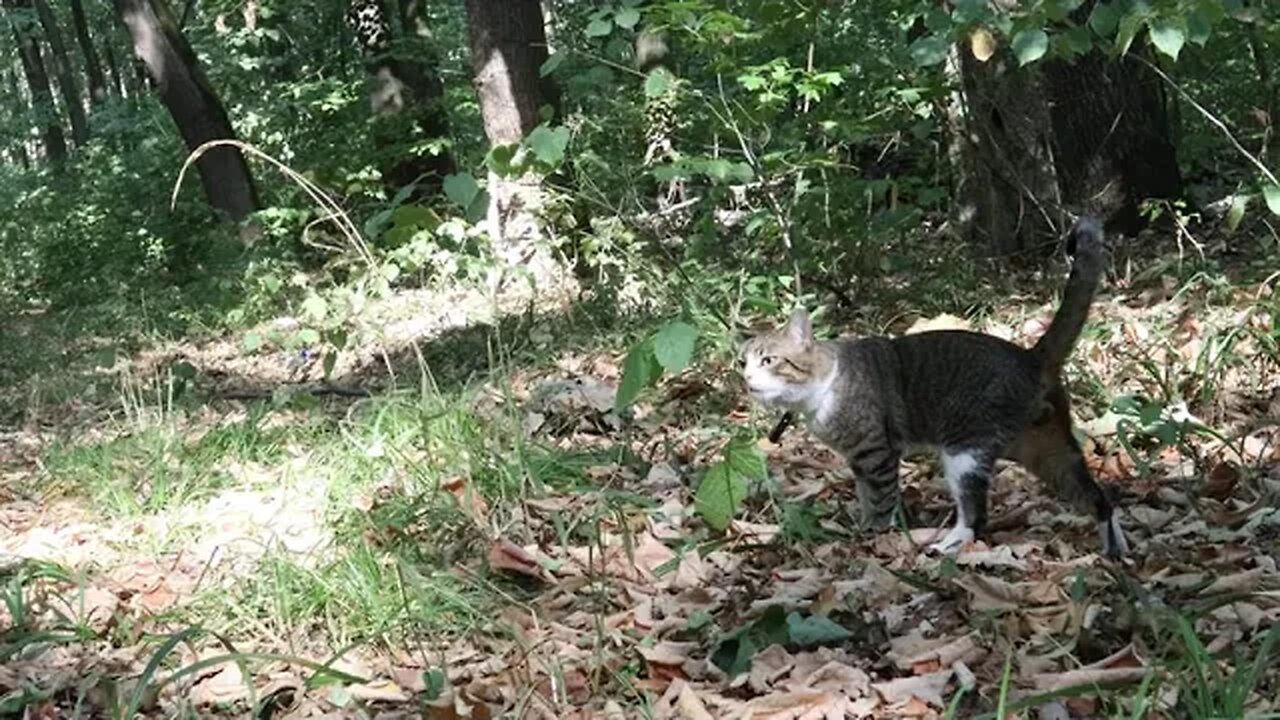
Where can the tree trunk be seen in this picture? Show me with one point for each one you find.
(113, 68)
(92, 68)
(1088, 135)
(55, 144)
(403, 92)
(19, 103)
(67, 80)
(195, 108)
(508, 47)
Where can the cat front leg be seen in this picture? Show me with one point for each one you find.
(875, 469)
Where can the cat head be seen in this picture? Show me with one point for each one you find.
(786, 367)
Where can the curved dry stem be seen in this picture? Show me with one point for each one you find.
(318, 196)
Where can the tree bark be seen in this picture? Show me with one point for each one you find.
(508, 48)
(92, 67)
(191, 102)
(19, 103)
(1088, 135)
(68, 83)
(403, 91)
(113, 68)
(55, 143)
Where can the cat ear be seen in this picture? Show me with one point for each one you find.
(800, 328)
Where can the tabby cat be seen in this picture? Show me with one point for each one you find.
(973, 397)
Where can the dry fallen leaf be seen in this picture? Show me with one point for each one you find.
(506, 555)
(982, 44)
(928, 688)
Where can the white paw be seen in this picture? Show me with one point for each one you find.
(954, 541)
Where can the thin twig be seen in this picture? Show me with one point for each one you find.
(1213, 120)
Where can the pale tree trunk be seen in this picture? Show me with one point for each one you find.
(508, 47)
(55, 143)
(92, 68)
(402, 89)
(191, 102)
(67, 80)
(1090, 135)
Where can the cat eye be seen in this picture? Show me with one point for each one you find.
(766, 361)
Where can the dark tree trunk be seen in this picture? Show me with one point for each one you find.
(1088, 135)
(19, 103)
(195, 108)
(67, 80)
(92, 68)
(55, 144)
(508, 48)
(403, 92)
(113, 68)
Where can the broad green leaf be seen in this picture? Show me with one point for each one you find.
(599, 28)
(1030, 45)
(719, 495)
(550, 64)
(640, 369)
(673, 346)
(1199, 26)
(657, 82)
(1271, 193)
(1104, 18)
(929, 50)
(1077, 40)
(1235, 214)
(745, 459)
(627, 18)
(970, 11)
(549, 145)
(415, 216)
(461, 188)
(1169, 35)
(308, 336)
(752, 82)
(251, 342)
(184, 370)
(814, 630)
(501, 159)
(433, 681)
(330, 360)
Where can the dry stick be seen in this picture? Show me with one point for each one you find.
(1213, 120)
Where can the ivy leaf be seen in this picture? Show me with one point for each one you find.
(719, 495)
(657, 82)
(1271, 193)
(1169, 35)
(640, 369)
(929, 50)
(1030, 45)
(814, 630)
(549, 145)
(599, 28)
(461, 188)
(627, 18)
(673, 346)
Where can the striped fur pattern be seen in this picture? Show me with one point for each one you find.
(973, 397)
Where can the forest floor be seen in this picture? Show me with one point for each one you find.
(484, 535)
